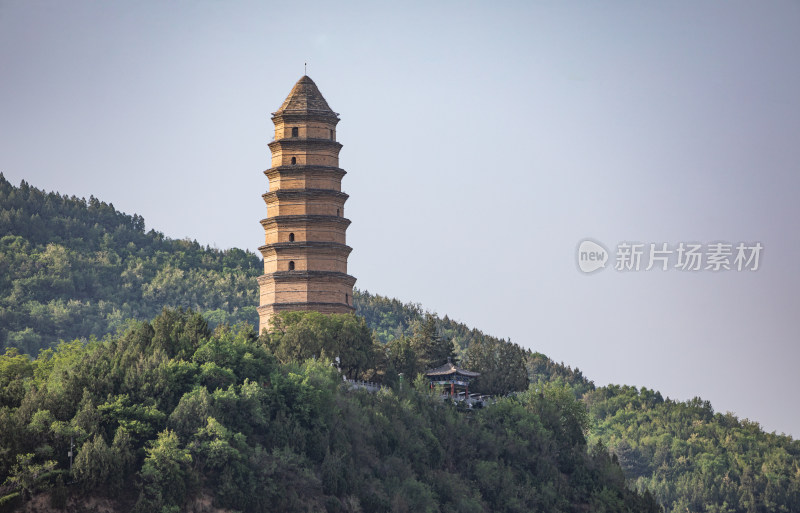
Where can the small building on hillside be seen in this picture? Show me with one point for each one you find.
(451, 374)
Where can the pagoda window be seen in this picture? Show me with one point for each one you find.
(291, 237)
(347, 298)
(291, 265)
(332, 135)
(295, 132)
(337, 212)
(294, 160)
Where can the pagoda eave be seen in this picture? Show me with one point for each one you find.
(318, 306)
(295, 143)
(277, 246)
(304, 169)
(289, 194)
(305, 115)
(287, 276)
(303, 220)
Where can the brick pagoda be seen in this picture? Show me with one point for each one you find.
(305, 252)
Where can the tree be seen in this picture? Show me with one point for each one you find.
(401, 358)
(27, 476)
(501, 364)
(166, 476)
(431, 348)
(299, 336)
(94, 464)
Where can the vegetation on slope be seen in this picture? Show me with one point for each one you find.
(75, 268)
(184, 413)
(687, 456)
(505, 367)
(693, 459)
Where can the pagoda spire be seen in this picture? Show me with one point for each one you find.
(305, 98)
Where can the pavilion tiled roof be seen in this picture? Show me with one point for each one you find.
(450, 368)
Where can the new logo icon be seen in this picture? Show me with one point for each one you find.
(591, 256)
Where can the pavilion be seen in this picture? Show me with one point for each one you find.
(451, 374)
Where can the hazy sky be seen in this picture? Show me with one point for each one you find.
(483, 143)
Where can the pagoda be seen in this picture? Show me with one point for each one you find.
(305, 251)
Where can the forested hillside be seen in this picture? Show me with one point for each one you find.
(505, 367)
(693, 459)
(168, 415)
(689, 457)
(71, 268)
(75, 268)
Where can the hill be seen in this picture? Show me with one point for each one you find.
(71, 268)
(693, 459)
(689, 457)
(189, 416)
(76, 268)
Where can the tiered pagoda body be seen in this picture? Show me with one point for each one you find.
(305, 251)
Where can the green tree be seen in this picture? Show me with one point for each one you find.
(166, 474)
(95, 463)
(401, 358)
(27, 476)
(501, 364)
(299, 336)
(431, 348)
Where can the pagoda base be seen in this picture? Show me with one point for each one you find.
(322, 291)
(267, 312)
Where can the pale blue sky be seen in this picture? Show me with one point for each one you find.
(482, 144)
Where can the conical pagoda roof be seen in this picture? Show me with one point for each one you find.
(305, 98)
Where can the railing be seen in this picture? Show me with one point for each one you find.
(367, 385)
(472, 400)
